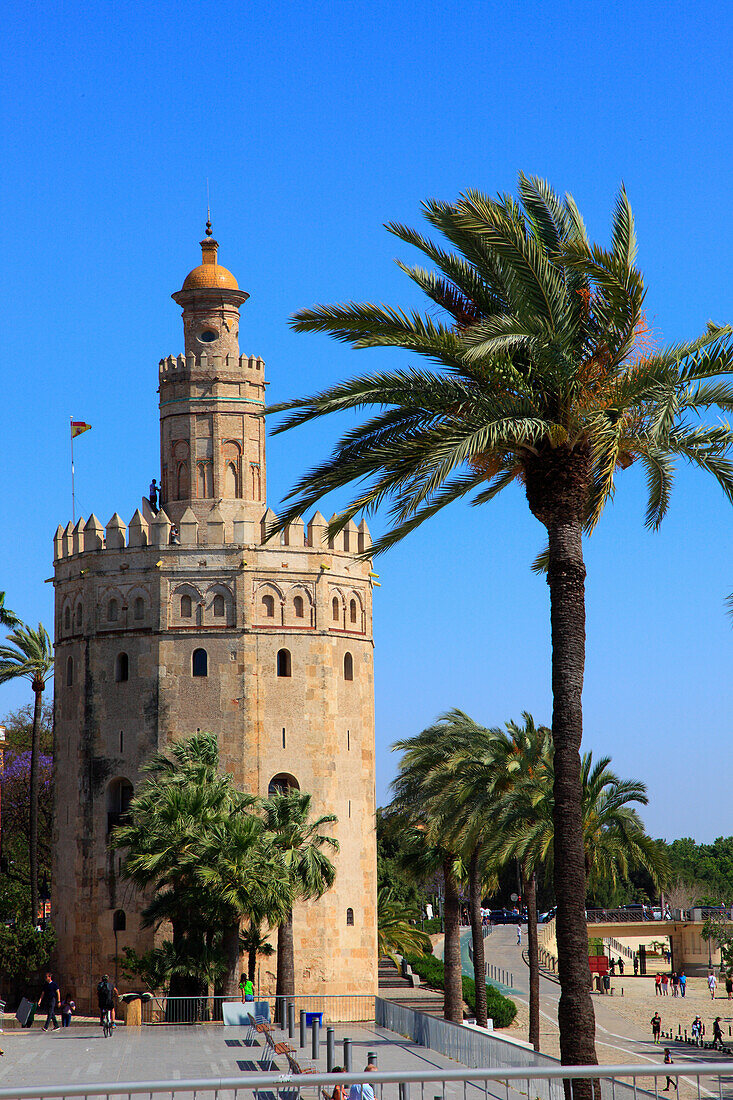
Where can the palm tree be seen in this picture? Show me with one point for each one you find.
(397, 935)
(246, 875)
(7, 617)
(300, 843)
(30, 655)
(255, 943)
(421, 806)
(547, 378)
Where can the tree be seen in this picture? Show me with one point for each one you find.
(300, 843)
(30, 656)
(175, 827)
(424, 808)
(398, 934)
(548, 378)
(255, 943)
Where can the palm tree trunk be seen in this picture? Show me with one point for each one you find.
(566, 578)
(285, 985)
(530, 896)
(252, 964)
(477, 935)
(230, 947)
(33, 838)
(453, 998)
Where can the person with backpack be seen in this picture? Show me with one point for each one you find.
(106, 994)
(717, 1034)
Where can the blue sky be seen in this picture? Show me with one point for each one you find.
(315, 124)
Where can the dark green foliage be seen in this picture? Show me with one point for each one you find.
(23, 951)
(500, 1009)
(708, 866)
(390, 872)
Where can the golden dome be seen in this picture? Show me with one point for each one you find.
(209, 274)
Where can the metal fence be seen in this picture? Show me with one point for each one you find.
(546, 1082)
(341, 1009)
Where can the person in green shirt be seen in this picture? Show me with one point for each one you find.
(246, 989)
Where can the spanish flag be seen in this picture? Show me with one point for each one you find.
(77, 427)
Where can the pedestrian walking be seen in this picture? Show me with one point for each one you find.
(612, 967)
(656, 1022)
(621, 966)
(729, 984)
(50, 998)
(675, 985)
(717, 1034)
(636, 965)
(683, 983)
(671, 1082)
(665, 985)
(519, 935)
(658, 985)
(712, 982)
(696, 1030)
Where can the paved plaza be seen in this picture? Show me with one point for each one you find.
(80, 1055)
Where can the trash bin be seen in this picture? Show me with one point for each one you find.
(311, 1016)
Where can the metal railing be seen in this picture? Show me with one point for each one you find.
(624, 1082)
(619, 947)
(346, 1008)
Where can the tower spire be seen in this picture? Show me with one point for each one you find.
(208, 210)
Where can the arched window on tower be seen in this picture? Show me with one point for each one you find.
(78, 612)
(268, 606)
(119, 921)
(348, 667)
(335, 609)
(231, 481)
(182, 481)
(205, 480)
(352, 611)
(69, 671)
(119, 797)
(67, 618)
(200, 663)
(349, 917)
(298, 607)
(122, 668)
(282, 783)
(284, 667)
(218, 607)
(138, 608)
(186, 607)
(113, 611)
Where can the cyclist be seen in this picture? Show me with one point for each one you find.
(106, 994)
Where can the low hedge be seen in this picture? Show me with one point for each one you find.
(500, 1009)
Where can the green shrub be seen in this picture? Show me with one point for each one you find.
(432, 926)
(501, 1010)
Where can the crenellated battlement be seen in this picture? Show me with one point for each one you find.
(87, 537)
(182, 365)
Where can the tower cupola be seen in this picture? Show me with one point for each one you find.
(210, 297)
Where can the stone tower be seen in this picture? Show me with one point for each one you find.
(268, 645)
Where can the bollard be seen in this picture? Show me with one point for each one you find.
(404, 1090)
(303, 1027)
(347, 1055)
(280, 1011)
(315, 1039)
(330, 1049)
(291, 1019)
(372, 1058)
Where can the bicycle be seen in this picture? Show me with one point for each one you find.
(107, 1025)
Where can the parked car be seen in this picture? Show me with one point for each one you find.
(548, 916)
(638, 910)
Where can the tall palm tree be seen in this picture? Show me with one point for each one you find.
(420, 802)
(547, 378)
(246, 875)
(300, 843)
(30, 656)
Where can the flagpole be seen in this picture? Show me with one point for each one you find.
(73, 497)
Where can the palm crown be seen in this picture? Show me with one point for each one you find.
(545, 353)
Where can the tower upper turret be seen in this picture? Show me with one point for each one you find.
(210, 297)
(212, 435)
